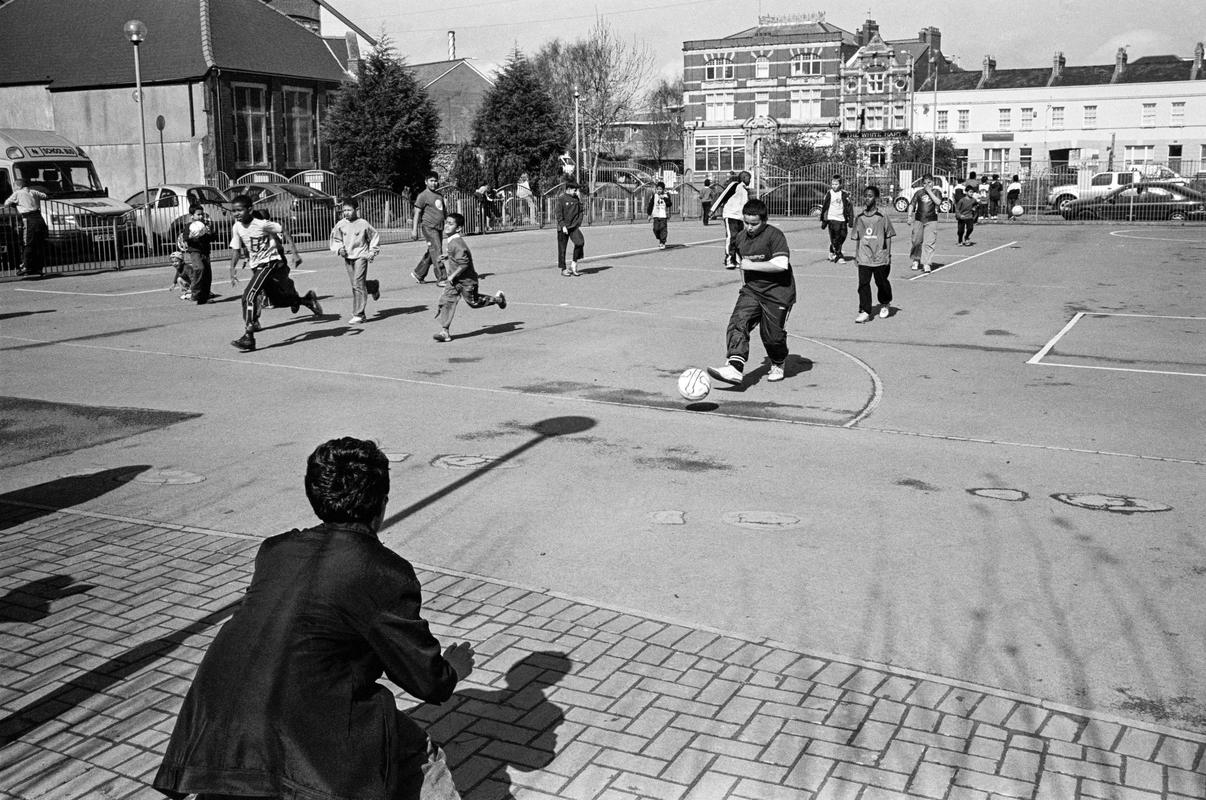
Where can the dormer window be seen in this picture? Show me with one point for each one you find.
(719, 69)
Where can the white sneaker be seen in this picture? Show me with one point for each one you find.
(863, 316)
(776, 373)
(355, 319)
(916, 265)
(727, 374)
(884, 311)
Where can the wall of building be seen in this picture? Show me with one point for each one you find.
(26, 107)
(457, 96)
(1119, 122)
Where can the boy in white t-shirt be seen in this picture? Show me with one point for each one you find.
(258, 242)
(658, 209)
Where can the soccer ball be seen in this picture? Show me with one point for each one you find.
(694, 384)
(1017, 211)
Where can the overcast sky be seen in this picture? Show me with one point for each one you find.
(1018, 33)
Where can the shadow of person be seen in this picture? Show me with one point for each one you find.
(514, 727)
(490, 330)
(31, 601)
(46, 498)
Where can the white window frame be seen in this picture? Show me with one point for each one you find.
(963, 116)
(875, 83)
(1089, 119)
(1026, 118)
(252, 122)
(761, 104)
(1136, 154)
(719, 69)
(898, 117)
(719, 107)
(805, 64)
(1057, 118)
(292, 128)
(806, 104)
(875, 119)
(877, 155)
(944, 121)
(850, 117)
(1176, 114)
(1147, 115)
(1004, 119)
(761, 67)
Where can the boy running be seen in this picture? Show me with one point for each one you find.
(462, 278)
(658, 210)
(258, 242)
(429, 215)
(357, 243)
(837, 215)
(872, 234)
(731, 203)
(765, 299)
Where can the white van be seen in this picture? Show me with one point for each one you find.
(82, 218)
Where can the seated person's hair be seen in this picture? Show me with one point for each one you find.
(459, 218)
(754, 207)
(346, 480)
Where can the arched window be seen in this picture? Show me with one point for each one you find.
(806, 64)
(718, 69)
(762, 67)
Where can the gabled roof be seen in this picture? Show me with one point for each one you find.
(802, 32)
(73, 44)
(430, 72)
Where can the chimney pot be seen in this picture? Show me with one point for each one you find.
(452, 45)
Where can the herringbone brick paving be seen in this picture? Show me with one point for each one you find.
(105, 620)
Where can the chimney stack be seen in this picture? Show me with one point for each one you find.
(1195, 71)
(931, 36)
(1119, 65)
(452, 45)
(354, 61)
(870, 28)
(989, 69)
(1057, 67)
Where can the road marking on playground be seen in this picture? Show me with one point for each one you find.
(85, 294)
(1127, 233)
(618, 404)
(1037, 358)
(963, 260)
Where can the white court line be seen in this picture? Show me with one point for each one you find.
(88, 294)
(962, 260)
(1125, 233)
(1037, 357)
(1120, 369)
(1121, 314)
(616, 403)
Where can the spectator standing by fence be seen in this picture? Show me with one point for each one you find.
(994, 196)
(34, 232)
(1012, 195)
(965, 216)
(429, 216)
(706, 195)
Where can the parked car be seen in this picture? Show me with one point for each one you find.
(944, 186)
(306, 213)
(796, 198)
(162, 214)
(1142, 201)
(1103, 183)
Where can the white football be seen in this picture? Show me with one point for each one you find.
(694, 384)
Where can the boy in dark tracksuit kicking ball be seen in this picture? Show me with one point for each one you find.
(462, 278)
(765, 299)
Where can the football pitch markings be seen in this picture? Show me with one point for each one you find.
(1037, 358)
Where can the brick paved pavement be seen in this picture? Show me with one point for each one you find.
(104, 619)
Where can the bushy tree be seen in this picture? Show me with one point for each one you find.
(517, 126)
(794, 154)
(920, 149)
(383, 129)
(663, 136)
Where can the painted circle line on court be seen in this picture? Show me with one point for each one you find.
(999, 493)
(761, 520)
(1129, 233)
(454, 461)
(396, 458)
(1115, 504)
(161, 477)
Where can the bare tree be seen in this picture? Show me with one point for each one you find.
(662, 136)
(609, 73)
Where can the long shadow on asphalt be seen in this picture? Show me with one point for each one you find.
(46, 498)
(31, 601)
(502, 327)
(521, 705)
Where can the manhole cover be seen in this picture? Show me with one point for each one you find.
(997, 493)
(162, 477)
(467, 462)
(761, 520)
(669, 517)
(1114, 503)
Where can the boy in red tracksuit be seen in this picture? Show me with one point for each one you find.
(567, 212)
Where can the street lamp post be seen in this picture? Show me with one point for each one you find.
(136, 32)
(577, 138)
(934, 139)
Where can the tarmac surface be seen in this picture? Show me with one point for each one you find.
(956, 554)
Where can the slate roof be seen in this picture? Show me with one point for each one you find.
(431, 71)
(1149, 69)
(805, 31)
(75, 44)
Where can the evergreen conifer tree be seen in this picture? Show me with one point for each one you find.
(384, 129)
(517, 125)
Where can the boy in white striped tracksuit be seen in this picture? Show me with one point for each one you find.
(730, 202)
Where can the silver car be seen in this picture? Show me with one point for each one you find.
(162, 214)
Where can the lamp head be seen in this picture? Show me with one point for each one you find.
(136, 31)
